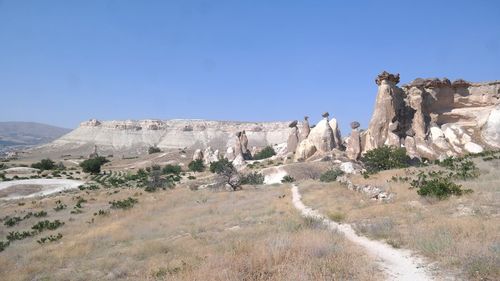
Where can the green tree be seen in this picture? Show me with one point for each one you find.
(196, 166)
(170, 169)
(227, 172)
(385, 158)
(44, 164)
(267, 152)
(93, 165)
(153, 149)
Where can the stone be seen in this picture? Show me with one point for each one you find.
(353, 149)
(230, 155)
(293, 124)
(293, 140)
(336, 132)
(305, 150)
(473, 147)
(491, 130)
(210, 156)
(325, 115)
(306, 129)
(347, 167)
(198, 155)
(322, 136)
(411, 147)
(355, 125)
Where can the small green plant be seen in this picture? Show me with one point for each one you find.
(40, 214)
(60, 206)
(435, 185)
(4, 245)
(153, 149)
(50, 238)
(253, 178)
(11, 221)
(196, 166)
(47, 225)
(287, 179)
(331, 175)
(123, 204)
(101, 213)
(227, 173)
(385, 158)
(267, 152)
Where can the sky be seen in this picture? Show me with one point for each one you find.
(64, 62)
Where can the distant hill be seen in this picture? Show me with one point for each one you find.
(28, 133)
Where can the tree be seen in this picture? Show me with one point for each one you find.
(170, 169)
(267, 152)
(93, 165)
(153, 149)
(196, 166)
(44, 164)
(155, 180)
(227, 172)
(385, 158)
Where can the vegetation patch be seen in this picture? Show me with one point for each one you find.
(253, 178)
(266, 152)
(123, 204)
(50, 238)
(287, 179)
(196, 166)
(47, 225)
(385, 158)
(331, 175)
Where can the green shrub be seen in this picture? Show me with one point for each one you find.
(60, 206)
(47, 225)
(40, 214)
(287, 179)
(331, 175)
(44, 164)
(170, 169)
(93, 165)
(50, 238)
(385, 158)
(16, 235)
(227, 172)
(254, 178)
(3, 245)
(153, 149)
(123, 204)
(196, 166)
(267, 152)
(436, 185)
(11, 221)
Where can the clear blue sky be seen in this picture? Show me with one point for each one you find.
(62, 62)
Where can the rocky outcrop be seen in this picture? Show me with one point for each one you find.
(198, 155)
(353, 142)
(134, 137)
(434, 118)
(305, 150)
(293, 138)
(306, 129)
(322, 135)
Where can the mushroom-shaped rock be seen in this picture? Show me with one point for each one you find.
(322, 136)
(306, 129)
(353, 149)
(293, 140)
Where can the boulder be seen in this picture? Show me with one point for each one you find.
(198, 155)
(491, 130)
(322, 136)
(305, 150)
(336, 132)
(210, 156)
(306, 129)
(230, 155)
(353, 149)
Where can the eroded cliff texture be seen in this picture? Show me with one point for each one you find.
(435, 118)
(139, 135)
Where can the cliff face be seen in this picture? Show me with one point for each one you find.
(435, 118)
(115, 136)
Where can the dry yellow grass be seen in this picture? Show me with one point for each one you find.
(253, 234)
(462, 233)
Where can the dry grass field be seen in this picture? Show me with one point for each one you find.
(461, 234)
(179, 234)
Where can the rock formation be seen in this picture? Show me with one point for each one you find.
(306, 129)
(133, 137)
(322, 135)
(336, 132)
(434, 118)
(293, 138)
(198, 155)
(210, 156)
(353, 149)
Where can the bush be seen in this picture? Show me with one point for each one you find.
(330, 175)
(385, 158)
(44, 164)
(170, 169)
(287, 179)
(254, 178)
(227, 172)
(267, 152)
(124, 204)
(4, 245)
(47, 225)
(153, 149)
(463, 167)
(196, 166)
(435, 185)
(93, 165)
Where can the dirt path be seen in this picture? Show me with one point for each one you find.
(397, 263)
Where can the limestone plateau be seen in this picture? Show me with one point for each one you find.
(431, 118)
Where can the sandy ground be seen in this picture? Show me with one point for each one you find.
(19, 189)
(399, 264)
